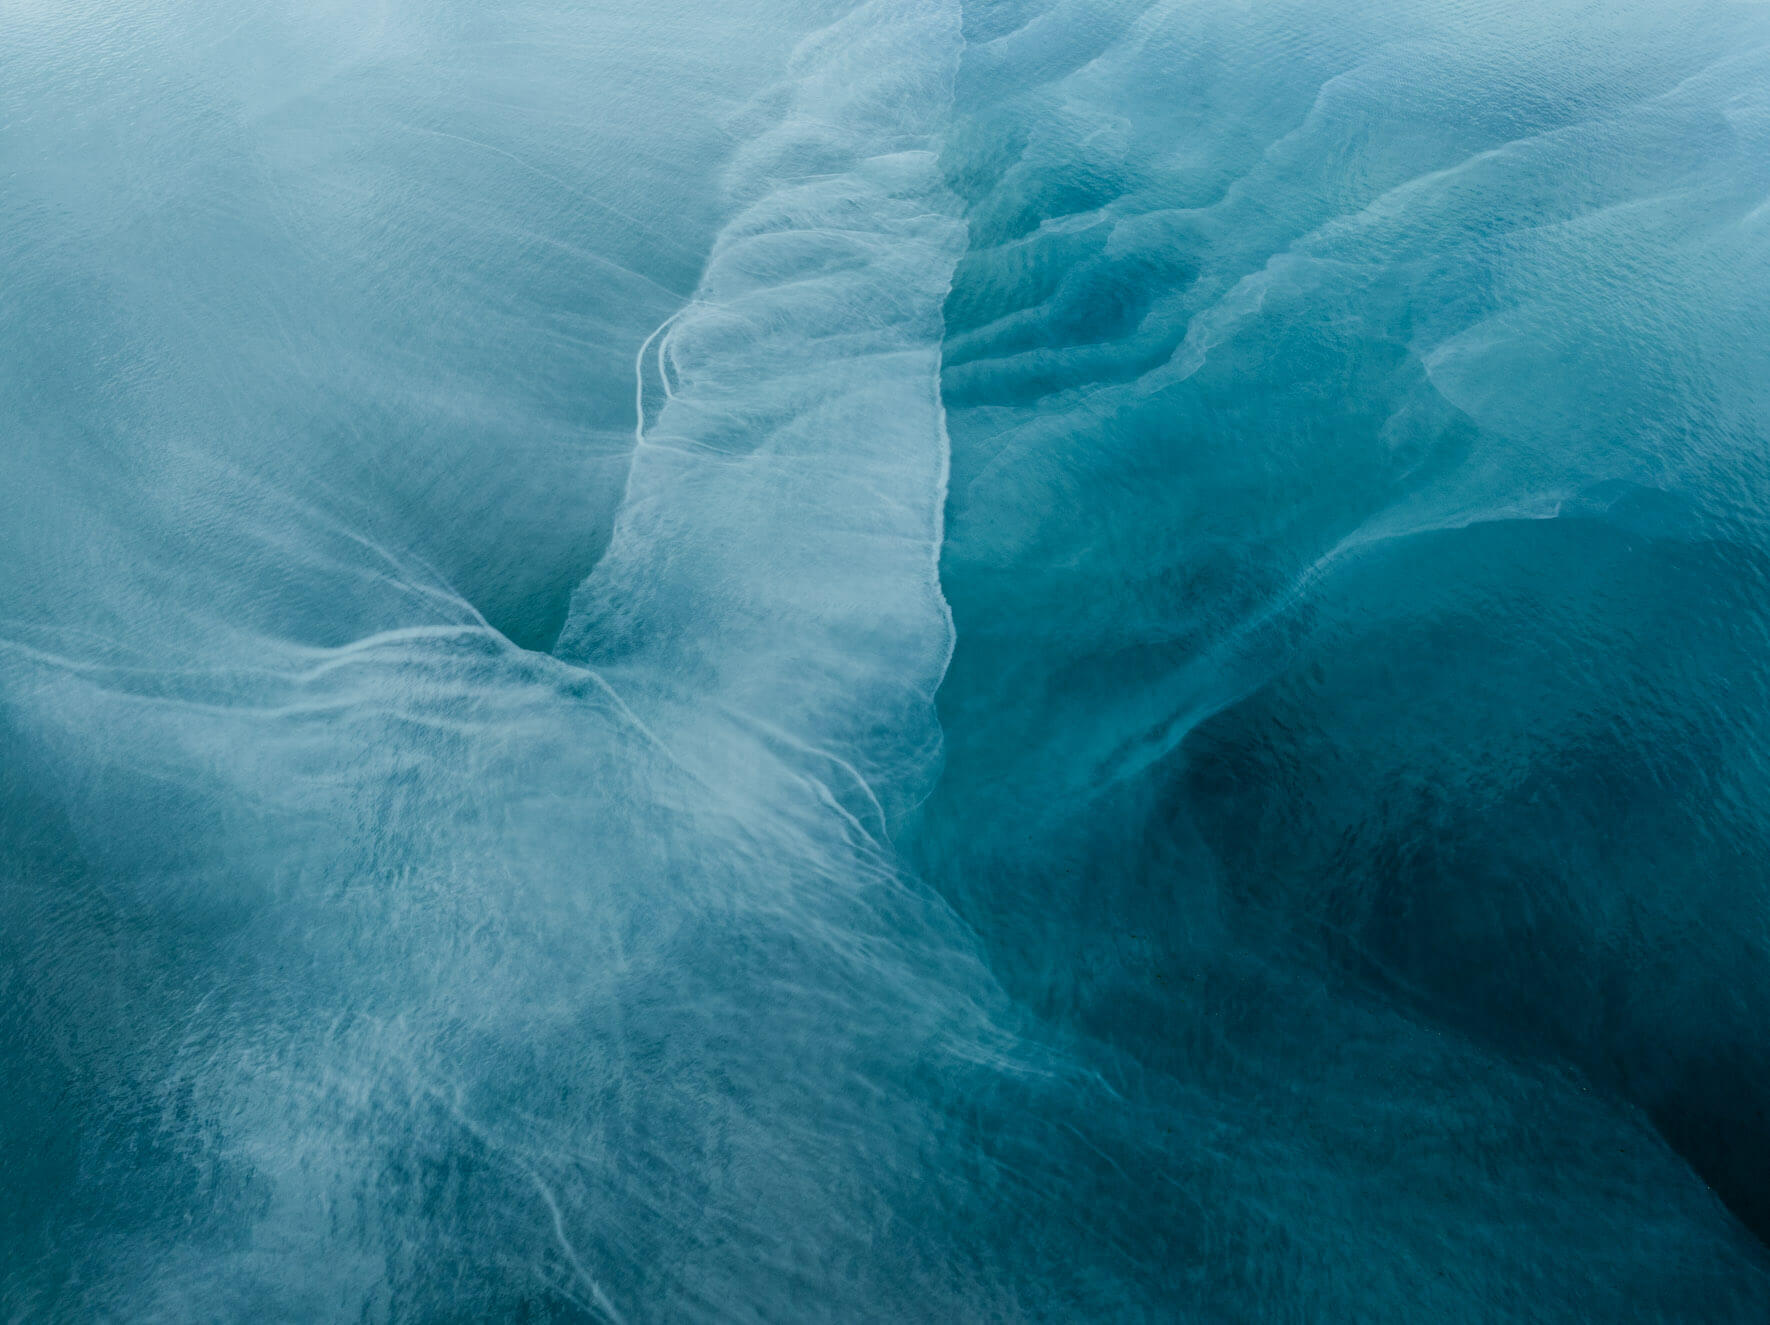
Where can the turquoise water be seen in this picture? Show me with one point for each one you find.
(905, 661)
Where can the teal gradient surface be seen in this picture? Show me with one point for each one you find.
(917, 660)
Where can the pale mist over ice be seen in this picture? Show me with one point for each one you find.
(927, 660)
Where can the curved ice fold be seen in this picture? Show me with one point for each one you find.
(776, 554)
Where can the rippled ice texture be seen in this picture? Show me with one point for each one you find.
(787, 659)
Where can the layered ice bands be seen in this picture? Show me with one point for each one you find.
(776, 555)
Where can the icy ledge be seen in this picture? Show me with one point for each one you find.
(776, 556)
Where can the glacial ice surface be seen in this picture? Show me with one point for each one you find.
(909, 660)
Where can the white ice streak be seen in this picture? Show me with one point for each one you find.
(777, 549)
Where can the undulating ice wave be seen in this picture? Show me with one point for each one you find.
(916, 660)
(775, 560)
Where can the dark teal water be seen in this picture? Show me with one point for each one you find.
(915, 661)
